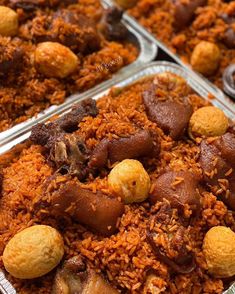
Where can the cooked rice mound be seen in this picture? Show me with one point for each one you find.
(126, 257)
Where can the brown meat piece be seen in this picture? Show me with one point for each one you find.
(42, 134)
(137, 145)
(95, 210)
(175, 254)
(11, 57)
(171, 115)
(229, 38)
(217, 160)
(66, 151)
(70, 121)
(184, 12)
(179, 188)
(67, 27)
(69, 154)
(76, 277)
(184, 264)
(31, 5)
(111, 25)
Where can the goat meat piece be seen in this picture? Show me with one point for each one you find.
(98, 211)
(184, 12)
(179, 188)
(217, 160)
(76, 277)
(111, 25)
(172, 116)
(137, 145)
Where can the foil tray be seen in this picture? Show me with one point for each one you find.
(198, 85)
(144, 32)
(147, 52)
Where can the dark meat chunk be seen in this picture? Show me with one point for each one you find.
(184, 12)
(31, 5)
(137, 145)
(27, 5)
(69, 122)
(179, 188)
(11, 57)
(68, 28)
(174, 252)
(69, 154)
(96, 210)
(41, 133)
(184, 263)
(217, 160)
(229, 38)
(76, 277)
(66, 151)
(111, 25)
(171, 115)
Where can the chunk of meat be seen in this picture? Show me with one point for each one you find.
(66, 151)
(96, 210)
(70, 121)
(69, 28)
(111, 25)
(185, 263)
(184, 12)
(11, 57)
(179, 188)
(174, 252)
(69, 154)
(76, 277)
(217, 160)
(42, 134)
(31, 5)
(229, 38)
(171, 115)
(134, 146)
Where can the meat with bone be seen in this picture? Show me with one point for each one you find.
(179, 188)
(217, 160)
(75, 277)
(96, 210)
(138, 145)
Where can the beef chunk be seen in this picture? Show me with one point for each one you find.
(69, 122)
(229, 38)
(171, 115)
(76, 277)
(179, 188)
(140, 144)
(67, 27)
(66, 151)
(96, 210)
(184, 12)
(111, 25)
(42, 133)
(32, 5)
(11, 57)
(217, 160)
(69, 154)
(176, 253)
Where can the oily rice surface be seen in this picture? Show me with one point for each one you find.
(24, 92)
(158, 17)
(126, 257)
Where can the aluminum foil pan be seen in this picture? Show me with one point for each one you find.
(147, 52)
(201, 88)
(144, 32)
